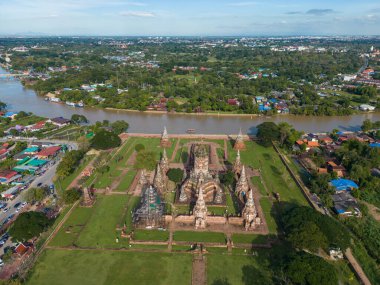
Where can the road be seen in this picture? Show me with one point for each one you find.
(45, 179)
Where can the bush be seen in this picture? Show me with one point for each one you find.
(139, 147)
(175, 175)
(29, 225)
(71, 195)
(105, 140)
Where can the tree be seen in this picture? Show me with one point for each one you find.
(175, 175)
(268, 132)
(145, 160)
(68, 163)
(71, 195)
(227, 178)
(37, 194)
(120, 127)
(367, 125)
(29, 225)
(139, 147)
(3, 106)
(308, 236)
(308, 269)
(105, 140)
(78, 119)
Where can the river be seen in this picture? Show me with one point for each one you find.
(19, 98)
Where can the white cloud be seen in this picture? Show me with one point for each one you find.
(142, 14)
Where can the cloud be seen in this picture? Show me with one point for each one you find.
(320, 12)
(242, 4)
(141, 14)
(293, 13)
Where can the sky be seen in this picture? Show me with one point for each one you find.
(189, 17)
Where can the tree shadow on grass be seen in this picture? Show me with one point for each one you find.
(267, 156)
(223, 281)
(254, 276)
(275, 170)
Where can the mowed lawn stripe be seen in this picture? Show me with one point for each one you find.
(92, 267)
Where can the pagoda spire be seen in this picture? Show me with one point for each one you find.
(242, 184)
(158, 181)
(165, 142)
(143, 179)
(200, 210)
(237, 164)
(164, 162)
(249, 212)
(239, 142)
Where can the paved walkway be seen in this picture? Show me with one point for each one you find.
(198, 276)
(358, 269)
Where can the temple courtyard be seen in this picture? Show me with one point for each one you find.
(135, 226)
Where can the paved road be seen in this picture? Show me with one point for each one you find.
(45, 179)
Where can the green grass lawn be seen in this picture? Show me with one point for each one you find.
(237, 270)
(249, 238)
(267, 209)
(199, 236)
(95, 226)
(100, 230)
(218, 211)
(273, 171)
(71, 229)
(151, 235)
(126, 181)
(110, 267)
(257, 182)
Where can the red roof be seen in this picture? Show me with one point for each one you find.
(3, 150)
(7, 174)
(49, 151)
(21, 249)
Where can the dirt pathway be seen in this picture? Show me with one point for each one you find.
(373, 210)
(175, 150)
(358, 269)
(198, 276)
(75, 182)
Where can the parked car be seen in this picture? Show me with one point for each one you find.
(39, 184)
(17, 205)
(5, 210)
(23, 204)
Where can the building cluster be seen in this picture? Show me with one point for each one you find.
(325, 146)
(30, 163)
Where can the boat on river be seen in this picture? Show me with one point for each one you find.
(190, 131)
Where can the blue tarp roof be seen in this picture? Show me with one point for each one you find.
(343, 184)
(375, 144)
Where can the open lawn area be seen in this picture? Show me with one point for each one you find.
(110, 267)
(151, 235)
(94, 227)
(237, 270)
(126, 181)
(269, 215)
(250, 238)
(199, 236)
(273, 171)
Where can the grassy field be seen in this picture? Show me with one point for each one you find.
(237, 270)
(151, 235)
(110, 267)
(199, 236)
(269, 216)
(126, 181)
(249, 238)
(94, 227)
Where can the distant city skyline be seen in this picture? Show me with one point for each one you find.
(189, 18)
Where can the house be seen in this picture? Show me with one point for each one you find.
(60, 121)
(11, 115)
(37, 126)
(366, 107)
(345, 204)
(21, 249)
(326, 140)
(343, 185)
(233, 102)
(340, 170)
(10, 193)
(31, 150)
(7, 176)
(48, 152)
